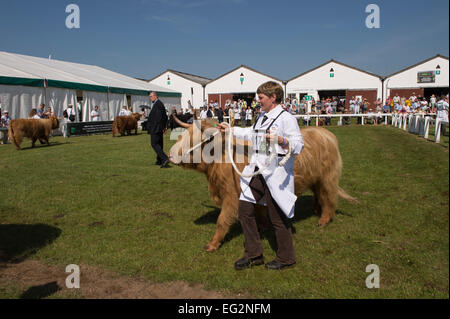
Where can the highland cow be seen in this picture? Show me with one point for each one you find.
(32, 128)
(318, 167)
(124, 124)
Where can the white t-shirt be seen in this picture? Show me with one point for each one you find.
(95, 116)
(203, 115)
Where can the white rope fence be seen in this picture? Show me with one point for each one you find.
(418, 123)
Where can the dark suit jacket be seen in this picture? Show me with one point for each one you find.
(157, 119)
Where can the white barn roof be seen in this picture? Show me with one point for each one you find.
(408, 77)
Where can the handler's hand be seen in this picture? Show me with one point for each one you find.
(165, 131)
(222, 127)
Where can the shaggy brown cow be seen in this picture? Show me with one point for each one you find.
(125, 123)
(33, 129)
(318, 167)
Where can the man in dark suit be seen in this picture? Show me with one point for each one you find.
(156, 127)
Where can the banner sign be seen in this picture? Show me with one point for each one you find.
(426, 77)
(86, 128)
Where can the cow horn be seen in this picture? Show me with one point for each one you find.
(182, 124)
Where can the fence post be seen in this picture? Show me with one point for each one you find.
(385, 120)
(317, 120)
(426, 127)
(404, 122)
(420, 129)
(438, 130)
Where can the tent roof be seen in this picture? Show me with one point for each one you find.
(74, 75)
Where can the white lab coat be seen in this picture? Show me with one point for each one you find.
(279, 179)
(237, 113)
(248, 115)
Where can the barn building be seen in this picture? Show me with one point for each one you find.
(334, 78)
(239, 83)
(424, 79)
(192, 87)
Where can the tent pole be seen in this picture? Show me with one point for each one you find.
(107, 98)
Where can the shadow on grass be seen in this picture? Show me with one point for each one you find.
(41, 146)
(303, 210)
(18, 242)
(42, 291)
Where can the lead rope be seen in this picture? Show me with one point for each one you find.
(260, 168)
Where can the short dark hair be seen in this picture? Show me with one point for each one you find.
(270, 88)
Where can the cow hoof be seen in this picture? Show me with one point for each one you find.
(323, 222)
(210, 248)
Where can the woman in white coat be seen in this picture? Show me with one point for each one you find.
(237, 115)
(249, 116)
(274, 187)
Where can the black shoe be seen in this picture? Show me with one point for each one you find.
(244, 263)
(275, 265)
(158, 163)
(165, 164)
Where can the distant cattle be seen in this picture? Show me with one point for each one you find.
(32, 128)
(185, 118)
(318, 168)
(124, 124)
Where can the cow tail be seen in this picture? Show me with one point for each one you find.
(11, 134)
(343, 194)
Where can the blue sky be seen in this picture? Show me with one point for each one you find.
(142, 38)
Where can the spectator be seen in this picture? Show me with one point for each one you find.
(41, 111)
(334, 104)
(386, 107)
(204, 113)
(70, 113)
(4, 123)
(219, 113)
(352, 103)
(432, 101)
(249, 116)
(95, 115)
(237, 116)
(442, 113)
(33, 115)
(328, 111)
(48, 114)
(306, 120)
(123, 111)
(347, 119)
(210, 113)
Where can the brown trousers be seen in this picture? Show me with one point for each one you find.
(281, 224)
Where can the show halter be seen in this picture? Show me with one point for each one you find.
(261, 168)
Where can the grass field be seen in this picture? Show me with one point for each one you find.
(99, 201)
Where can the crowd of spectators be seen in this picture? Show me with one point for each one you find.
(242, 113)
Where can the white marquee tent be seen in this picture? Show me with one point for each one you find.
(26, 82)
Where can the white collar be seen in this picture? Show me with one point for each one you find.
(273, 113)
